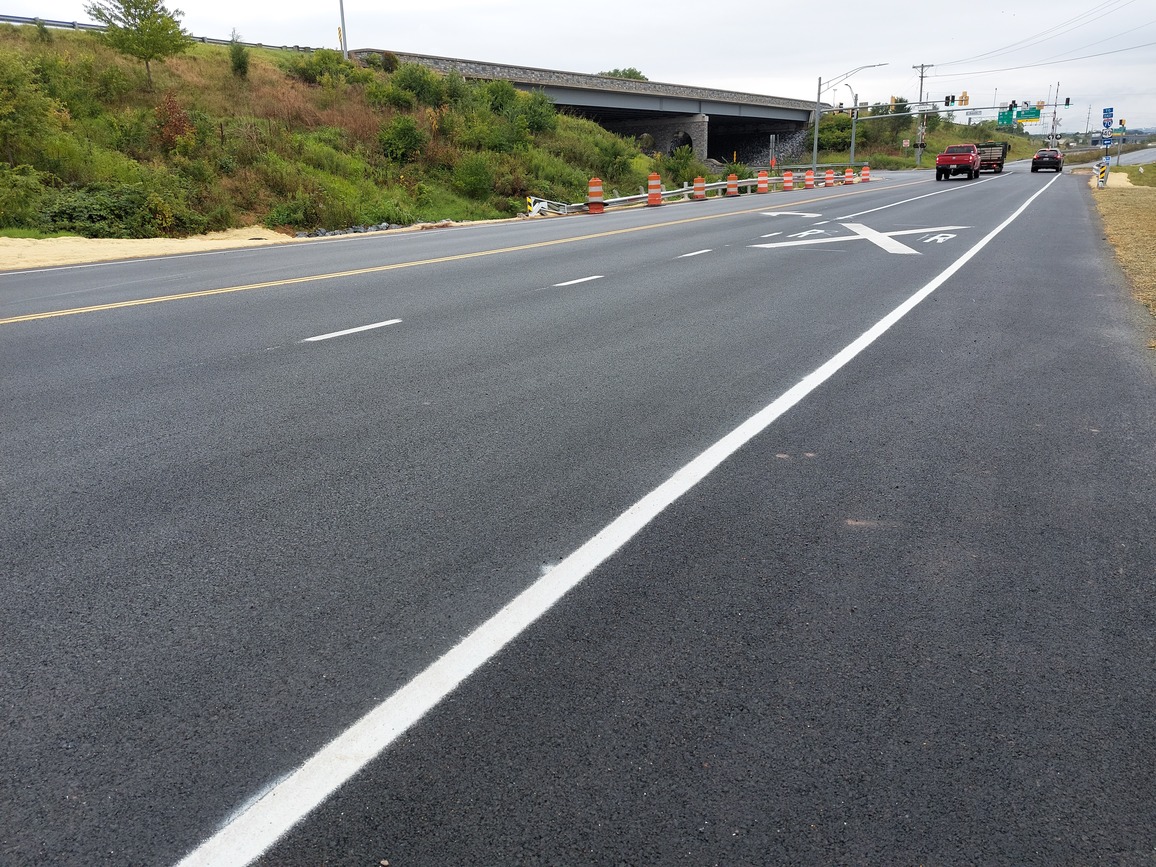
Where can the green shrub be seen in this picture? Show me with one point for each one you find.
(238, 57)
(426, 85)
(401, 139)
(500, 95)
(473, 176)
(21, 191)
(538, 111)
(316, 65)
(118, 211)
(381, 95)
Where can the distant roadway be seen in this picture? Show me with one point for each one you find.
(812, 527)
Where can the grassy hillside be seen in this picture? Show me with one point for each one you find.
(299, 141)
(230, 136)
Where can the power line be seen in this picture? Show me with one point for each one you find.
(1103, 8)
(1048, 63)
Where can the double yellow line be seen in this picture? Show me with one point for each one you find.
(377, 269)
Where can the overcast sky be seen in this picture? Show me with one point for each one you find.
(1101, 54)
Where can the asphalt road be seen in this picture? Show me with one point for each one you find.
(904, 618)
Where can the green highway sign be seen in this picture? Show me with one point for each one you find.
(1028, 115)
(1004, 118)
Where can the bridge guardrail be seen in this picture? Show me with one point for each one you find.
(80, 25)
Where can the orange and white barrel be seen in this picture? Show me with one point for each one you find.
(865, 174)
(849, 176)
(732, 185)
(809, 180)
(699, 194)
(594, 201)
(763, 186)
(829, 178)
(788, 181)
(653, 190)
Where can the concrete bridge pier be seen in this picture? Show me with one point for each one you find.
(669, 133)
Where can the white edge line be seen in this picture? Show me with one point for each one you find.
(580, 280)
(350, 331)
(256, 828)
(695, 253)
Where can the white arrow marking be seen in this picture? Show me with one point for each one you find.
(788, 214)
(859, 237)
(879, 239)
(807, 233)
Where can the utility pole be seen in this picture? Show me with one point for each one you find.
(920, 129)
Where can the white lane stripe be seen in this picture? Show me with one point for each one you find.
(260, 824)
(580, 280)
(915, 199)
(695, 253)
(350, 331)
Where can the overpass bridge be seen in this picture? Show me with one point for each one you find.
(717, 124)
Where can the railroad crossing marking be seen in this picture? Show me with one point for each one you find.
(884, 240)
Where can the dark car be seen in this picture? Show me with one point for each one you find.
(1047, 158)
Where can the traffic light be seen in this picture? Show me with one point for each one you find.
(1013, 105)
(964, 99)
(949, 100)
(1068, 102)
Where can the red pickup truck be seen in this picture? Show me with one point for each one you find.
(960, 159)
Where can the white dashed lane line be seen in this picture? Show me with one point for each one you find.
(350, 331)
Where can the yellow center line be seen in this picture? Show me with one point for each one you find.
(378, 269)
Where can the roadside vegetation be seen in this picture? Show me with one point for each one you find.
(1129, 215)
(228, 136)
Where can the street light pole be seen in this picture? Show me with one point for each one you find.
(344, 43)
(834, 82)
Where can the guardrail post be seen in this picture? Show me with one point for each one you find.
(763, 186)
(653, 190)
(699, 194)
(594, 202)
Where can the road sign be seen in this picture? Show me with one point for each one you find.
(1107, 123)
(1107, 112)
(1106, 135)
(1004, 118)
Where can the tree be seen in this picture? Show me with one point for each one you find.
(27, 115)
(143, 29)
(628, 72)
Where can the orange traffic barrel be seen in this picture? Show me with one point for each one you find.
(788, 181)
(594, 203)
(849, 176)
(763, 186)
(829, 178)
(653, 189)
(809, 180)
(865, 174)
(732, 185)
(699, 194)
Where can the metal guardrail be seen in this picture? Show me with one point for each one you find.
(80, 25)
(536, 206)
